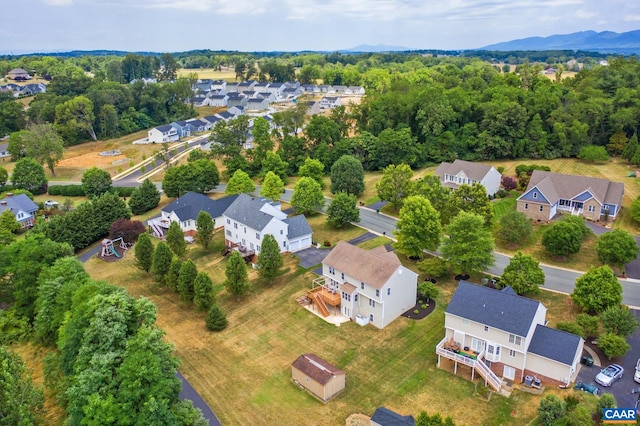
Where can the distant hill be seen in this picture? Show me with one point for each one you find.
(375, 49)
(605, 42)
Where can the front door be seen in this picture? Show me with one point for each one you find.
(509, 372)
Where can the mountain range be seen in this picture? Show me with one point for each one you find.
(604, 42)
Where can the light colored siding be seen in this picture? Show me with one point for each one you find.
(548, 368)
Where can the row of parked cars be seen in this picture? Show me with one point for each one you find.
(607, 376)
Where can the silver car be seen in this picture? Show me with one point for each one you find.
(610, 374)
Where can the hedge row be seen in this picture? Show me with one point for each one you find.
(78, 190)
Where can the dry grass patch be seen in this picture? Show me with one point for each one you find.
(204, 73)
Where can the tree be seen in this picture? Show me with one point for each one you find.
(175, 239)
(613, 346)
(204, 227)
(471, 199)
(144, 252)
(237, 282)
(635, 210)
(144, 198)
(74, 118)
(274, 163)
(8, 222)
(198, 176)
(619, 320)
(171, 278)
(630, 148)
(314, 169)
(216, 319)
(272, 186)
(44, 144)
(239, 183)
(347, 175)
(307, 196)
(161, 262)
(597, 290)
(579, 223)
(203, 292)
(590, 324)
(186, 281)
(343, 210)
(551, 409)
(428, 290)
(419, 227)
(269, 260)
(470, 244)
(523, 274)
(616, 248)
(617, 143)
(514, 227)
(128, 230)
(4, 176)
(395, 185)
(96, 182)
(20, 402)
(562, 239)
(593, 154)
(29, 175)
(424, 419)
(431, 188)
(606, 400)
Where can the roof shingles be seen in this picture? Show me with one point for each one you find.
(316, 368)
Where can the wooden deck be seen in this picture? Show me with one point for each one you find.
(332, 299)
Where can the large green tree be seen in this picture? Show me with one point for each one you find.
(4, 176)
(29, 175)
(470, 244)
(613, 346)
(21, 402)
(562, 239)
(307, 196)
(186, 280)
(237, 282)
(240, 183)
(419, 227)
(270, 259)
(44, 144)
(144, 198)
(96, 182)
(514, 228)
(616, 248)
(314, 169)
(396, 184)
(143, 252)
(198, 176)
(205, 225)
(74, 119)
(597, 290)
(343, 210)
(171, 278)
(472, 199)
(347, 175)
(161, 264)
(175, 239)
(619, 320)
(203, 292)
(272, 186)
(523, 274)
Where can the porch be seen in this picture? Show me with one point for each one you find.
(247, 254)
(575, 208)
(159, 226)
(452, 350)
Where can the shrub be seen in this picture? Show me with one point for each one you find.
(424, 306)
(126, 229)
(122, 191)
(67, 190)
(433, 267)
(216, 319)
(571, 327)
(589, 323)
(415, 311)
(509, 183)
(501, 193)
(613, 345)
(500, 169)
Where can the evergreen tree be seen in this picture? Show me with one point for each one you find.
(171, 279)
(630, 148)
(186, 278)
(269, 260)
(144, 198)
(96, 182)
(175, 239)
(203, 292)
(216, 319)
(237, 281)
(161, 262)
(143, 252)
(205, 226)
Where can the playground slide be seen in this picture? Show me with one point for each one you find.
(114, 251)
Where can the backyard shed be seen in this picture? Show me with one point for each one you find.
(317, 376)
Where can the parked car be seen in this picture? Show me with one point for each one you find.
(586, 387)
(51, 203)
(610, 374)
(636, 376)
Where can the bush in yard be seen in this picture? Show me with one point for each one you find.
(612, 345)
(216, 319)
(175, 239)
(428, 290)
(593, 154)
(433, 267)
(128, 230)
(616, 248)
(514, 227)
(571, 327)
(67, 190)
(606, 400)
(635, 210)
(619, 320)
(562, 239)
(509, 183)
(551, 408)
(589, 323)
(579, 223)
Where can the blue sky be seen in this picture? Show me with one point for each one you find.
(291, 25)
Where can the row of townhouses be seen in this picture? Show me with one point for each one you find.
(19, 91)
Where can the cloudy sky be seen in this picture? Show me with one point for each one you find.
(291, 25)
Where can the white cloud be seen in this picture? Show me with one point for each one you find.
(585, 14)
(225, 7)
(631, 18)
(58, 2)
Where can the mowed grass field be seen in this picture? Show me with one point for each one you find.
(203, 73)
(244, 371)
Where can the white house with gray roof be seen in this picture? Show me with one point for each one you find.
(160, 134)
(460, 172)
(22, 207)
(248, 219)
(503, 336)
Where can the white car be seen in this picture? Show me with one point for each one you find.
(636, 376)
(608, 375)
(51, 203)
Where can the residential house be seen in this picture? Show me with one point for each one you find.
(237, 110)
(18, 74)
(368, 286)
(357, 90)
(249, 93)
(199, 125)
(200, 100)
(32, 89)
(291, 92)
(4, 150)
(246, 86)
(217, 100)
(226, 115)
(460, 172)
(310, 88)
(313, 107)
(257, 104)
(292, 84)
(551, 193)
(339, 89)
(270, 97)
(203, 85)
(219, 85)
(248, 219)
(22, 207)
(160, 134)
(185, 210)
(385, 417)
(317, 376)
(236, 99)
(501, 335)
(231, 88)
(276, 89)
(261, 87)
(325, 88)
(330, 102)
(212, 120)
(183, 128)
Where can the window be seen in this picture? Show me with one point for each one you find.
(535, 195)
(332, 271)
(284, 244)
(486, 328)
(377, 293)
(258, 236)
(512, 353)
(228, 233)
(281, 232)
(362, 286)
(371, 317)
(342, 275)
(355, 297)
(465, 321)
(477, 344)
(251, 246)
(389, 291)
(258, 247)
(526, 206)
(245, 229)
(228, 221)
(541, 208)
(235, 226)
(592, 209)
(515, 339)
(372, 303)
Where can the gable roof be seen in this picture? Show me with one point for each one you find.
(556, 185)
(196, 122)
(385, 417)
(475, 171)
(553, 344)
(191, 204)
(212, 119)
(165, 128)
(250, 211)
(298, 227)
(369, 266)
(316, 368)
(494, 308)
(15, 203)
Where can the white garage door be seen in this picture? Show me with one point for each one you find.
(294, 245)
(306, 242)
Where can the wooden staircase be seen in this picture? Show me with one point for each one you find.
(489, 376)
(322, 307)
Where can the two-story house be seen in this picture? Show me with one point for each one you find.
(330, 102)
(22, 207)
(501, 335)
(367, 286)
(248, 219)
(452, 175)
(551, 193)
(160, 134)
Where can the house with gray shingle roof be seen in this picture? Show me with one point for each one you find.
(503, 336)
(165, 133)
(248, 219)
(22, 207)
(18, 74)
(460, 172)
(551, 193)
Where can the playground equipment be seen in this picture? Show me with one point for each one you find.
(108, 249)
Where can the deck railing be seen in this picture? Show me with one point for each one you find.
(494, 381)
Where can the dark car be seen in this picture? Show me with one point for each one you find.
(586, 387)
